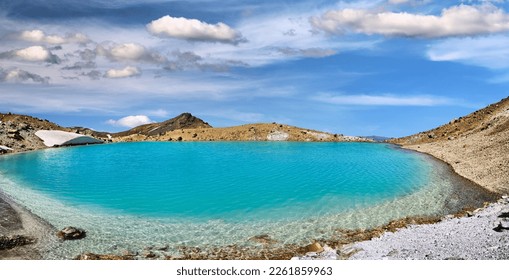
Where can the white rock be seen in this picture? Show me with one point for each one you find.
(320, 136)
(5, 148)
(277, 136)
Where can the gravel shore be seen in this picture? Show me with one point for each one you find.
(479, 237)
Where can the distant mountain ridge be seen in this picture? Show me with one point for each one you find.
(377, 138)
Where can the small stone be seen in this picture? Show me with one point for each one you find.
(314, 247)
(505, 223)
(500, 227)
(504, 215)
(164, 248)
(128, 253)
(71, 233)
(149, 255)
(263, 239)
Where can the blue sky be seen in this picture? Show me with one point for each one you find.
(391, 68)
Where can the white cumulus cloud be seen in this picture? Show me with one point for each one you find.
(193, 29)
(129, 51)
(33, 54)
(461, 20)
(39, 36)
(128, 71)
(131, 121)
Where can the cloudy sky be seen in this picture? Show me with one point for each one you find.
(387, 67)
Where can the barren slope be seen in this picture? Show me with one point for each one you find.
(477, 145)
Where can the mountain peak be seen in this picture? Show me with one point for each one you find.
(182, 121)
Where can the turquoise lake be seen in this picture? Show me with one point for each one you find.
(219, 193)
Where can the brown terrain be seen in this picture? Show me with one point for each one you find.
(476, 146)
(249, 132)
(18, 132)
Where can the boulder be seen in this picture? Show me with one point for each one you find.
(314, 247)
(71, 233)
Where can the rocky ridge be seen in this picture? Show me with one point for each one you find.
(182, 121)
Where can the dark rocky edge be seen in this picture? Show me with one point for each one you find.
(10, 242)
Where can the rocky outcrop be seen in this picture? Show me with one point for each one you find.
(17, 132)
(71, 233)
(278, 136)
